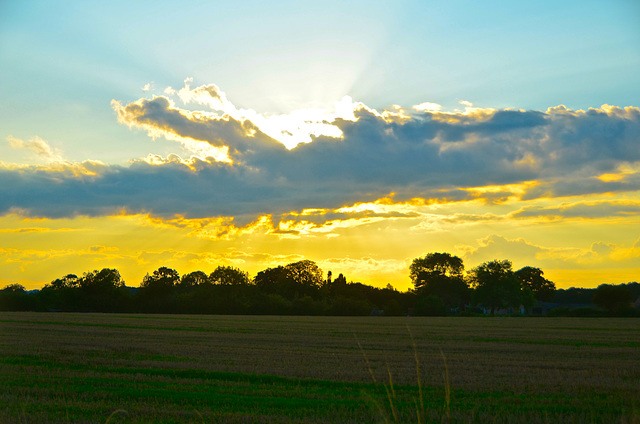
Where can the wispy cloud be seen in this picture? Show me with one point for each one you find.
(36, 145)
(35, 230)
(524, 253)
(583, 210)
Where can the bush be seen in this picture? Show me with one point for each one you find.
(430, 306)
(345, 306)
(578, 312)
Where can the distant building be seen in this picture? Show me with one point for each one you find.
(508, 311)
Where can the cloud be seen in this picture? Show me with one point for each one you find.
(225, 228)
(36, 145)
(428, 107)
(326, 221)
(25, 258)
(291, 129)
(524, 253)
(225, 135)
(34, 230)
(498, 247)
(366, 268)
(583, 210)
(239, 170)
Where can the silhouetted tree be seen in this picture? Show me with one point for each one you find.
(349, 306)
(634, 288)
(298, 279)
(14, 297)
(337, 285)
(440, 275)
(157, 291)
(273, 304)
(435, 264)
(162, 279)
(574, 295)
(496, 285)
(532, 278)
(192, 279)
(305, 273)
(269, 280)
(69, 281)
(228, 276)
(103, 291)
(613, 299)
(14, 288)
(430, 306)
(62, 294)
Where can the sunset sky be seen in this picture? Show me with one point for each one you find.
(359, 135)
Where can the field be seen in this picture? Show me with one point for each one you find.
(100, 368)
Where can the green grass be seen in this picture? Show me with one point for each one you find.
(99, 368)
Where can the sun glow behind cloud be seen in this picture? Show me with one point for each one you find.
(358, 135)
(291, 129)
(388, 236)
(348, 186)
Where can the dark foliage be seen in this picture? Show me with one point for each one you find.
(440, 275)
(496, 286)
(533, 279)
(298, 288)
(613, 299)
(573, 295)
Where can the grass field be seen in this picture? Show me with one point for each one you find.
(100, 368)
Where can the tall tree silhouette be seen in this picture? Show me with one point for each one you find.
(157, 291)
(532, 278)
(229, 276)
(440, 275)
(103, 291)
(496, 285)
(613, 299)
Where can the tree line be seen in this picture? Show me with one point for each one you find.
(440, 287)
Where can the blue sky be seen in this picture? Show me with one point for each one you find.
(63, 62)
(84, 144)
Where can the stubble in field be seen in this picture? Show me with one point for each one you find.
(162, 368)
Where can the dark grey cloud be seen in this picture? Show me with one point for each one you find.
(427, 155)
(158, 114)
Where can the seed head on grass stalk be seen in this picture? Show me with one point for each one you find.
(114, 413)
(200, 415)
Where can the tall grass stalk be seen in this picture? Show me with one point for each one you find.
(200, 415)
(114, 413)
(421, 413)
(373, 377)
(389, 389)
(418, 378)
(391, 394)
(447, 387)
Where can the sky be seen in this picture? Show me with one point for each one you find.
(359, 135)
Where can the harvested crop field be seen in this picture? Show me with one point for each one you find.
(99, 368)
